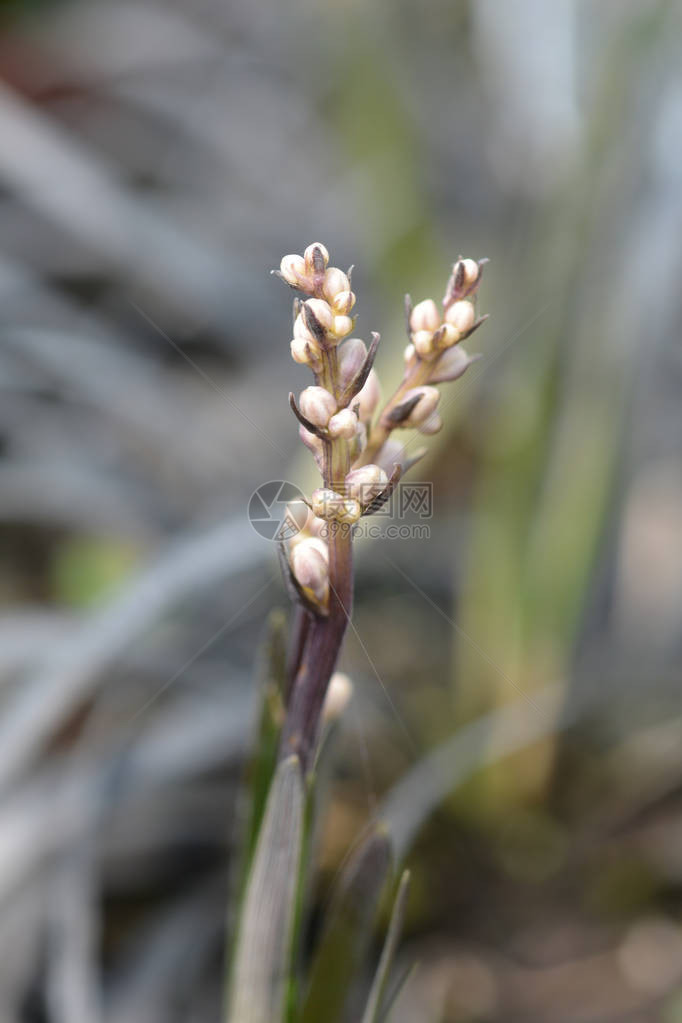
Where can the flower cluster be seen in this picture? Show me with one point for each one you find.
(359, 462)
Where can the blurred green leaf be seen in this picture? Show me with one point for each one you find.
(378, 990)
(86, 569)
(261, 963)
(344, 940)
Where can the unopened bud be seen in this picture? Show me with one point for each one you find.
(337, 698)
(425, 316)
(293, 270)
(326, 503)
(343, 424)
(316, 257)
(392, 453)
(335, 283)
(445, 337)
(433, 424)
(423, 344)
(349, 512)
(452, 365)
(321, 312)
(313, 444)
(365, 483)
(461, 315)
(428, 398)
(343, 302)
(352, 356)
(409, 353)
(342, 325)
(317, 405)
(305, 351)
(310, 567)
(465, 278)
(368, 396)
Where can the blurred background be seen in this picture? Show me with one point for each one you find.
(156, 161)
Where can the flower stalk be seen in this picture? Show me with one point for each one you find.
(359, 462)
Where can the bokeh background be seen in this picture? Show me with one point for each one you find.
(156, 161)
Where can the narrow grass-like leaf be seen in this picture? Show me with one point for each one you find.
(376, 995)
(261, 962)
(348, 930)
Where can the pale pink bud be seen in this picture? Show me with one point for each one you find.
(326, 503)
(432, 425)
(352, 356)
(343, 424)
(337, 698)
(409, 353)
(310, 567)
(425, 406)
(350, 511)
(313, 444)
(452, 364)
(317, 405)
(335, 282)
(315, 252)
(461, 315)
(368, 396)
(423, 343)
(366, 482)
(392, 453)
(425, 316)
(293, 270)
(305, 351)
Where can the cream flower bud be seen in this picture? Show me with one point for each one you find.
(368, 396)
(343, 424)
(305, 351)
(293, 270)
(350, 512)
(317, 405)
(445, 337)
(365, 483)
(464, 280)
(352, 356)
(335, 283)
(315, 251)
(337, 698)
(322, 312)
(423, 344)
(425, 406)
(343, 302)
(461, 315)
(342, 325)
(310, 567)
(409, 353)
(470, 268)
(425, 316)
(302, 331)
(326, 503)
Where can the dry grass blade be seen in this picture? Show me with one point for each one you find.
(261, 964)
